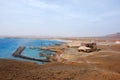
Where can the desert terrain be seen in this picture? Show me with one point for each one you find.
(68, 64)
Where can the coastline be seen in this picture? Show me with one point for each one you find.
(8, 46)
(67, 64)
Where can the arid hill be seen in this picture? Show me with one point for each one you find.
(116, 35)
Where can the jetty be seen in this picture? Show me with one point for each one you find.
(18, 53)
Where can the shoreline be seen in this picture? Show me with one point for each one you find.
(71, 65)
(15, 43)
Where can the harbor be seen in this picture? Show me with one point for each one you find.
(18, 53)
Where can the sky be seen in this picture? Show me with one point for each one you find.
(73, 18)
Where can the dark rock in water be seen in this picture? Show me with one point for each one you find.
(48, 56)
(41, 55)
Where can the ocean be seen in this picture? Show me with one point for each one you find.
(9, 45)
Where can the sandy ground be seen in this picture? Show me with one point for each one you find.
(103, 65)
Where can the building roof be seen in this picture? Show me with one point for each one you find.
(83, 48)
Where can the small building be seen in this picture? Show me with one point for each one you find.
(84, 49)
(87, 47)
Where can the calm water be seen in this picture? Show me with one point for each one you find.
(9, 45)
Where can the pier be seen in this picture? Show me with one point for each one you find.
(18, 53)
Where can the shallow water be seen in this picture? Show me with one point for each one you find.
(9, 45)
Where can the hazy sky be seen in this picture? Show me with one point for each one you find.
(59, 17)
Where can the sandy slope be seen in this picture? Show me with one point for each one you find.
(18, 70)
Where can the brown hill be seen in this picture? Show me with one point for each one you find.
(116, 35)
(18, 70)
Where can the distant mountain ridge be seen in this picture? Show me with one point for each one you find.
(116, 35)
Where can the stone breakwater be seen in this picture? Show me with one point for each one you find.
(18, 53)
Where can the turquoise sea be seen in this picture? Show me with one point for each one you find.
(9, 45)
